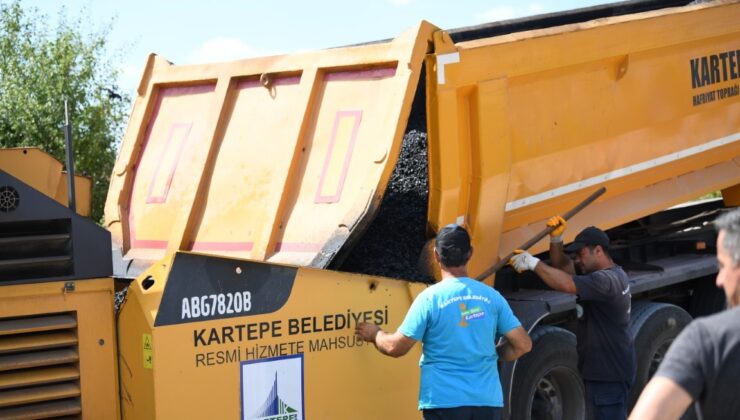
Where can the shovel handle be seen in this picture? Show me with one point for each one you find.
(546, 231)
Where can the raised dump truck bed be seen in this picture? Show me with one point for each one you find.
(630, 121)
(277, 158)
(250, 178)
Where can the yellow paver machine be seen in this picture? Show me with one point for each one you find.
(261, 208)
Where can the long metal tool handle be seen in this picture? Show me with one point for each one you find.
(546, 231)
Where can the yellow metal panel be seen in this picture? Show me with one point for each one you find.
(251, 166)
(137, 381)
(116, 207)
(491, 178)
(338, 178)
(44, 173)
(290, 152)
(731, 196)
(612, 102)
(92, 302)
(172, 142)
(83, 193)
(191, 359)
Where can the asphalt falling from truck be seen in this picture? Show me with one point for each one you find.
(393, 242)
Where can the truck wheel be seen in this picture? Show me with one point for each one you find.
(547, 385)
(653, 327)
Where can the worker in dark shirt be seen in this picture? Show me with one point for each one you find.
(703, 363)
(606, 355)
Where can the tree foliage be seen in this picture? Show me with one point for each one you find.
(40, 67)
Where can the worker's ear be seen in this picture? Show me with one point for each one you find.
(436, 255)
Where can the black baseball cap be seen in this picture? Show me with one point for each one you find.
(589, 237)
(453, 243)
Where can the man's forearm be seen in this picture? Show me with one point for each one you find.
(383, 343)
(559, 259)
(555, 278)
(506, 352)
(662, 399)
(514, 345)
(393, 344)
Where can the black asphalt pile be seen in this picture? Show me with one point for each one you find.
(393, 242)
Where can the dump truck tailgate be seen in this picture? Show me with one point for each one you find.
(276, 158)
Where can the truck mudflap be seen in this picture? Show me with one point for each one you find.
(209, 337)
(274, 158)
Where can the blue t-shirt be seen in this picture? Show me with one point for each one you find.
(458, 321)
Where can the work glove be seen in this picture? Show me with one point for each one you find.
(556, 236)
(523, 261)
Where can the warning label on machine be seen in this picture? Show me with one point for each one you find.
(147, 350)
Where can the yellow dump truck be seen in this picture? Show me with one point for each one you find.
(261, 208)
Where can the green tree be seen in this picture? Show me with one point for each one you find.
(40, 68)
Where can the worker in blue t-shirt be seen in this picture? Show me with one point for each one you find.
(457, 320)
(606, 353)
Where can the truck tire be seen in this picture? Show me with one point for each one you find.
(546, 384)
(653, 327)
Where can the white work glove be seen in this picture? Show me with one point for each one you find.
(556, 236)
(523, 261)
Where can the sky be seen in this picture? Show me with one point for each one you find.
(203, 31)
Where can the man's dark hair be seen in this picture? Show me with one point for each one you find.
(453, 246)
(730, 224)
